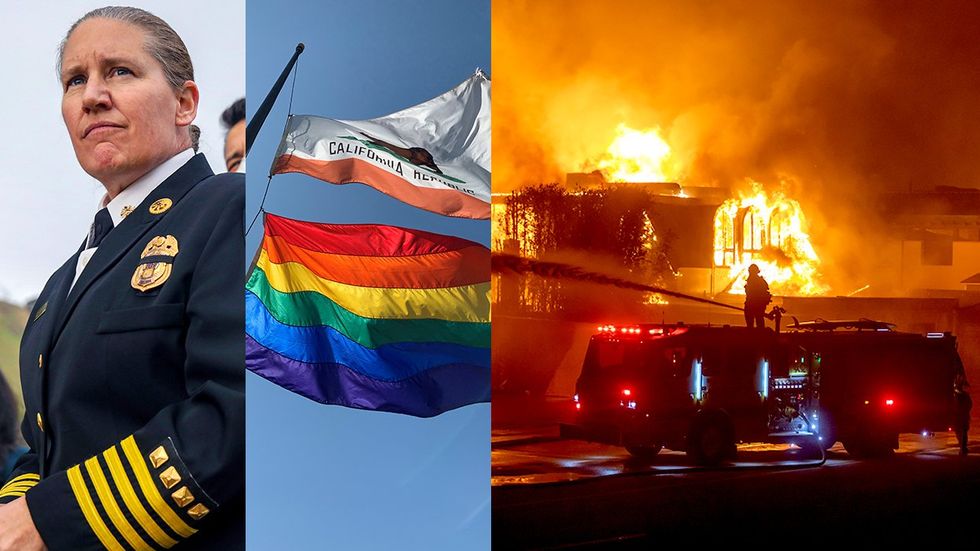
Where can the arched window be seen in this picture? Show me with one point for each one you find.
(724, 237)
(752, 235)
(780, 227)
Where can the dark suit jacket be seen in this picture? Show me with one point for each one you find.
(135, 398)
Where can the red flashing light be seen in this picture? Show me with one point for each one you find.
(578, 406)
(637, 330)
(889, 402)
(627, 392)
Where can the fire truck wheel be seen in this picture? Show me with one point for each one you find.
(644, 453)
(711, 439)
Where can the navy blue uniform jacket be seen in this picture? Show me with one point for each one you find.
(135, 404)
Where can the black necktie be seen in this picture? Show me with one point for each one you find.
(100, 227)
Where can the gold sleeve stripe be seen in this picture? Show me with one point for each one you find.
(33, 476)
(24, 483)
(111, 507)
(29, 477)
(136, 508)
(88, 509)
(17, 488)
(12, 493)
(153, 496)
(21, 483)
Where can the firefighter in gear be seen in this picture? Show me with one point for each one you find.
(757, 297)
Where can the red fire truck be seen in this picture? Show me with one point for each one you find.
(702, 388)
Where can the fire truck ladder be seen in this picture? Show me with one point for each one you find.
(862, 324)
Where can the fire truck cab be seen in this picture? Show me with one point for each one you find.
(703, 388)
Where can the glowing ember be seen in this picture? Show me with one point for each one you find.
(654, 299)
(768, 230)
(637, 156)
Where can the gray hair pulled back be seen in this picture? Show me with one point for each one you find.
(162, 43)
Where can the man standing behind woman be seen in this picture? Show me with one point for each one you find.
(132, 359)
(233, 119)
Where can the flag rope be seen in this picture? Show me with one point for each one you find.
(289, 113)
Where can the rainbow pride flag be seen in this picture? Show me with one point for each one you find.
(370, 316)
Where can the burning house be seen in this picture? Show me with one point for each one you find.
(843, 126)
(714, 236)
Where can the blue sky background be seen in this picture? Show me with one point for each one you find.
(327, 477)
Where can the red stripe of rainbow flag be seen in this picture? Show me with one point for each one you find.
(371, 316)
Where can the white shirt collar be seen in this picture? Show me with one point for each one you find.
(131, 197)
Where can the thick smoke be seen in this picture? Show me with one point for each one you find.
(840, 101)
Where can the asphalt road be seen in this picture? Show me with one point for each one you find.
(554, 494)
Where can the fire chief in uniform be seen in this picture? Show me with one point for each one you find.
(132, 359)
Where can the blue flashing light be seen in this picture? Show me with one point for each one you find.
(696, 381)
(631, 405)
(764, 383)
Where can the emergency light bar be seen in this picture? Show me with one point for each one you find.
(637, 330)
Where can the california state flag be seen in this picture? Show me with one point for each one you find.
(435, 155)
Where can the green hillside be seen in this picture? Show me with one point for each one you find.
(12, 321)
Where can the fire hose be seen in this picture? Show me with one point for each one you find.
(504, 263)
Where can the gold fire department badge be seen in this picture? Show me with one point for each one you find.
(160, 206)
(156, 263)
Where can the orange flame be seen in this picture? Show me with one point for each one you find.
(768, 230)
(636, 156)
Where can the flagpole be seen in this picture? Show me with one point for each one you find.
(252, 129)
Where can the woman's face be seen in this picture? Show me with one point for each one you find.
(121, 113)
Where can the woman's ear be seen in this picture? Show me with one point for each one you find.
(187, 100)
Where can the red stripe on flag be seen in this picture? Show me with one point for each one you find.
(448, 202)
(466, 266)
(362, 239)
